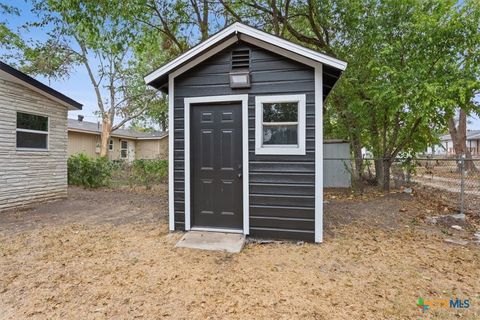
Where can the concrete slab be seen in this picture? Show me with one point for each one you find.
(216, 241)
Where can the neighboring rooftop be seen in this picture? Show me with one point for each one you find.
(96, 128)
(14, 75)
(471, 134)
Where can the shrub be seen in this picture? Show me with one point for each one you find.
(88, 172)
(150, 172)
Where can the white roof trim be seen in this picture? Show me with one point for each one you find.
(252, 32)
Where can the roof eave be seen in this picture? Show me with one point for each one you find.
(39, 87)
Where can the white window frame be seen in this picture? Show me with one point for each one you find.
(121, 149)
(111, 145)
(47, 133)
(280, 149)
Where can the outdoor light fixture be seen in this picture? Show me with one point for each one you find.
(240, 78)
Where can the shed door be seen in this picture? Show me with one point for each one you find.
(216, 165)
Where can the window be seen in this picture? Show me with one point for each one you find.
(32, 131)
(110, 145)
(280, 125)
(123, 149)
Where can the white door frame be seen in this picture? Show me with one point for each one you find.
(243, 98)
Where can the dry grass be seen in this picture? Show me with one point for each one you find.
(132, 270)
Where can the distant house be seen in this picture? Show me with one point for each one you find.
(446, 144)
(33, 139)
(128, 145)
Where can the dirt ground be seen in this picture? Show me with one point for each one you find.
(108, 255)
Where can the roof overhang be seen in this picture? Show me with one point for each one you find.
(474, 137)
(114, 135)
(13, 75)
(230, 35)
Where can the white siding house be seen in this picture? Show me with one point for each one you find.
(446, 148)
(33, 140)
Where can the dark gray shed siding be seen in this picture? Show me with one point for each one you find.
(282, 188)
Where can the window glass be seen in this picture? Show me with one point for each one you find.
(280, 123)
(31, 140)
(32, 131)
(31, 122)
(110, 145)
(280, 134)
(123, 150)
(280, 112)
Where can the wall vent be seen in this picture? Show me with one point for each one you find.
(240, 59)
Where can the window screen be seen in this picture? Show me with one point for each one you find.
(32, 131)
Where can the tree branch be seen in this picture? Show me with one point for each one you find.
(130, 117)
(91, 76)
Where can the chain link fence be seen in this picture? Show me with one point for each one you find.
(453, 181)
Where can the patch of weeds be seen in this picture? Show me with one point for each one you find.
(446, 232)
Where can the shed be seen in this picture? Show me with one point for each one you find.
(337, 165)
(245, 147)
(33, 139)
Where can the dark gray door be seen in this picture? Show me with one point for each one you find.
(216, 165)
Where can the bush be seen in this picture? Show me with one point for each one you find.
(150, 172)
(88, 172)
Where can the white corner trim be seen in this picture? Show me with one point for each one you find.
(240, 29)
(318, 154)
(243, 98)
(171, 182)
(302, 118)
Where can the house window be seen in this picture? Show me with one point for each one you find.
(123, 149)
(280, 125)
(110, 145)
(32, 131)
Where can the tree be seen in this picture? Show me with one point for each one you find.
(180, 23)
(98, 36)
(9, 39)
(459, 139)
(405, 73)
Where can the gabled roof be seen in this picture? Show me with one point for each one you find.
(159, 77)
(96, 128)
(14, 75)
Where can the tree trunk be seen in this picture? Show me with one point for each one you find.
(386, 174)
(459, 139)
(357, 154)
(105, 136)
(379, 171)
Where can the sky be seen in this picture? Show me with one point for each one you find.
(78, 85)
